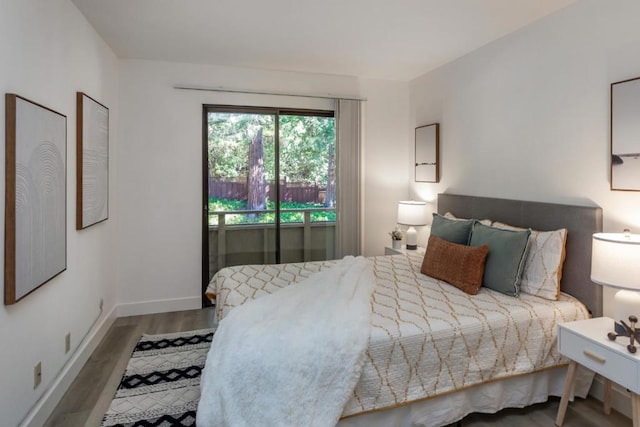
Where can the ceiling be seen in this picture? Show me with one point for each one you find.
(382, 39)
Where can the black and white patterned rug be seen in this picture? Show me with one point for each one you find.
(161, 385)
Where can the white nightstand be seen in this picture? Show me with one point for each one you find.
(585, 342)
(388, 250)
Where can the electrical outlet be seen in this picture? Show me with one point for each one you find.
(67, 342)
(37, 375)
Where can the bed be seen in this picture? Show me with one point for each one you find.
(419, 368)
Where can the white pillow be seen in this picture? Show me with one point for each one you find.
(449, 215)
(543, 263)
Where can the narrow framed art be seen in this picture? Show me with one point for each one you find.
(427, 153)
(35, 198)
(625, 135)
(92, 165)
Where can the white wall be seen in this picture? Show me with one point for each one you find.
(48, 53)
(527, 116)
(160, 167)
(385, 157)
(524, 117)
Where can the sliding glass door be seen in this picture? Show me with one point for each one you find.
(269, 186)
(307, 182)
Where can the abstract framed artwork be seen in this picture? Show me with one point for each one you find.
(92, 186)
(35, 198)
(625, 135)
(427, 153)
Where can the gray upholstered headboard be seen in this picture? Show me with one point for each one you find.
(580, 221)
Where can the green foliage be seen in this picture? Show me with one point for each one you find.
(230, 135)
(305, 145)
(222, 205)
(306, 142)
(216, 204)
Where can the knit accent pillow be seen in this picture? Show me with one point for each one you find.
(459, 265)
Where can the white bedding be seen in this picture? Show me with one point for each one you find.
(427, 338)
(293, 357)
(515, 392)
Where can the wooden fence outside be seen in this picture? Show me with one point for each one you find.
(289, 191)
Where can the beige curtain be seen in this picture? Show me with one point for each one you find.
(348, 192)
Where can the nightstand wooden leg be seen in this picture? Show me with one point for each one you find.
(635, 409)
(607, 396)
(566, 392)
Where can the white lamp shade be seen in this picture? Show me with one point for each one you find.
(412, 213)
(615, 260)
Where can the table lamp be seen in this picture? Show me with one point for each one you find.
(615, 262)
(412, 213)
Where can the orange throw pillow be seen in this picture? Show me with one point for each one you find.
(459, 265)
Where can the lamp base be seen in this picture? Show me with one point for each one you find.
(625, 303)
(412, 239)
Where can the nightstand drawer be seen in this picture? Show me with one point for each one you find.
(600, 359)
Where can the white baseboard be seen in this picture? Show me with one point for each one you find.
(621, 399)
(43, 408)
(159, 306)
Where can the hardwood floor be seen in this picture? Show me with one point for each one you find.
(90, 394)
(580, 413)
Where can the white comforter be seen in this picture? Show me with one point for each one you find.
(427, 337)
(292, 358)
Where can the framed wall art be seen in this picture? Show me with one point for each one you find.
(625, 135)
(427, 153)
(35, 197)
(92, 187)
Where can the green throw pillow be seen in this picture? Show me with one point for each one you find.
(507, 251)
(452, 230)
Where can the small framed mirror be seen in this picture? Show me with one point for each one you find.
(427, 154)
(625, 135)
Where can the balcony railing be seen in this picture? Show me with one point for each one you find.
(253, 242)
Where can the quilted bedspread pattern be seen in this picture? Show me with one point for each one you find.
(427, 337)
